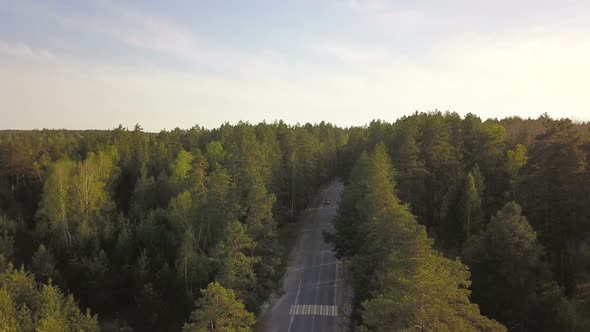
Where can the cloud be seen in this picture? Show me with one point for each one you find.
(140, 29)
(112, 21)
(21, 49)
(352, 54)
(534, 72)
(367, 4)
(529, 71)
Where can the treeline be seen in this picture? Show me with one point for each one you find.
(143, 227)
(451, 223)
(506, 197)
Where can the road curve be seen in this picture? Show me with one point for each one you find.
(315, 292)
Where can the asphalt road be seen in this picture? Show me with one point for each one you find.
(315, 291)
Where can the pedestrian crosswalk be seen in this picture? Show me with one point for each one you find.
(314, 309)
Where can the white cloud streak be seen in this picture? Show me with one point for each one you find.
(21, 49)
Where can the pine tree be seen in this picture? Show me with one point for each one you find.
(43, 265)
(511, 280)
(8, 313)
(219, 310)
(400, 282)
(7, 234)
(27, 306)
(553, 193)
(236, 266)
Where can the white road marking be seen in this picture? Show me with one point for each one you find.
(313, 309)
(335, 278)
(316, 219)
(317, 288)
(294, 313)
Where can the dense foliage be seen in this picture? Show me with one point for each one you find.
(400, 282)
(219, 310)
(451, 223)
(510, 278)
(464, 179)
(28, 306)
(137, 224)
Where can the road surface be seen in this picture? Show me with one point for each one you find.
(315, 293)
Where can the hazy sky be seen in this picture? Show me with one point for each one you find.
(98, 63)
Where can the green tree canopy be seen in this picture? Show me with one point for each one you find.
(400, 282)
(218, 310)
(27, 306)
(510, 278)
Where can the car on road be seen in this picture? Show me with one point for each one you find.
(326, 202)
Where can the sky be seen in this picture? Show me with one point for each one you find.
(96, 64)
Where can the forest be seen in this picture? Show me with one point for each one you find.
(139, 227)
(451, 223)
(450, 220)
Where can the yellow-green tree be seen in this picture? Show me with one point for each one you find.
(55, 204)
(27, 306)
(218, 310)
